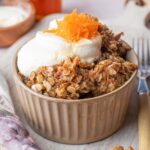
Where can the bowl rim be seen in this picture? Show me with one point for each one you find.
(30, 15)
(61, 100)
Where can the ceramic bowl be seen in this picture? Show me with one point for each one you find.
(76, 121)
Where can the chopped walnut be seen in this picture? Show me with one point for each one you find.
(112, 43)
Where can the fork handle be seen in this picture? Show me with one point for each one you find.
(144, 123)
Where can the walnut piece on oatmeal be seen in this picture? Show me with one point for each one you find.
(112, 43)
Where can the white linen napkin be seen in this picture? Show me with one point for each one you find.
(5, 99)
(13, 135)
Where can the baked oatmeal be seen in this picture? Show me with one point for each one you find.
(82, 75)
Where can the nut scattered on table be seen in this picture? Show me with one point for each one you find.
(122, 148)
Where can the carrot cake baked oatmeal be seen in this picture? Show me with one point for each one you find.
(77, 57)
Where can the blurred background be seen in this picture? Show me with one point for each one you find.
(101, 8)
(104, 9)
(116, 12)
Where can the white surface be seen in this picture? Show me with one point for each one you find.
(104, 9)
(5, 99)
(126, 136)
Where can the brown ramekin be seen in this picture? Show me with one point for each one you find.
(8, 35)
(76, 121)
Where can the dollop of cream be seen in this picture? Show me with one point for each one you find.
(11, 15)
(48, 49)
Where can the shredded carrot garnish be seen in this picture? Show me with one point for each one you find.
(75, 26)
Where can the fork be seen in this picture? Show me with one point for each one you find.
(142, 48)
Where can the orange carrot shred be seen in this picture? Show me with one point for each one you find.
(75, 26)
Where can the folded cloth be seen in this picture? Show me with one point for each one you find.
(13, 135)
(5, 99)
